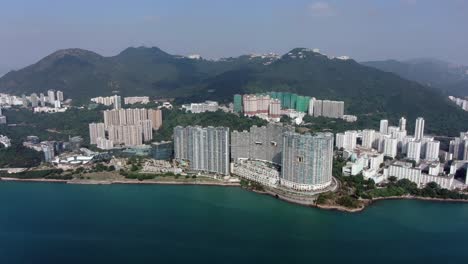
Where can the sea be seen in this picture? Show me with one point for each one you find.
(64, 223)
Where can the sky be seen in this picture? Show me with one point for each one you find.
(362, 29)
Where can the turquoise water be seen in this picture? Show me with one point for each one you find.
(58, 223)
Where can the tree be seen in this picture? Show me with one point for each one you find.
(392, 179)
(370, 184)
(433, 185)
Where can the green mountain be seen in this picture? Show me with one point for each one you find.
(449, 78)
(83, 74)
(368, 92)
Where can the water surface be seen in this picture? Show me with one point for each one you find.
(59, 223)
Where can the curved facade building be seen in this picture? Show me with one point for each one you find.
(307, 161)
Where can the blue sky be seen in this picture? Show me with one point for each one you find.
(362, 29)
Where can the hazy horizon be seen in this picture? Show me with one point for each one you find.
(364, 29)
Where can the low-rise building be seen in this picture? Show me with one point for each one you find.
(257, 171)
(207, 106)
(5, 141)
(136, 100)
(405, 170)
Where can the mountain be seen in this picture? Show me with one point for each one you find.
(367, 91)
(451, 79)
(83, 74)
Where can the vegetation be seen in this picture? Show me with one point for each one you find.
(99, 167)
(407, 187)
(56, 126)
(252, 185)
(146, 176)
(175, 118)
(18, 156)
(318, 124)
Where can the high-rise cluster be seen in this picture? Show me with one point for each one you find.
(128, 127)
(272, 104)
(205, 149)
(53, 98)
(306, 160)
(326, 108)
(133, 116)
(260, 105)
(115, 100)
(391, 140)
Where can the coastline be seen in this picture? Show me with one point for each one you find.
(130, 181)
(410, 197)
(339, 208)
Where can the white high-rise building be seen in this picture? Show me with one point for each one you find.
(368, 138)
(458, 147)
(51, 96)
(350, 140)
(392, 130)
(390, 147)
(424, 142)
(380, 142)
(42, 99)
(104, 143)
(311, 106)
(318, 107)
(346, 140)
(60, 96)
(404, 144)
(117, 102)
(402, 124)
(332, 109)
(383, 126)
(339, 140)
(375, 142)
(414, 150)
(419, 128)
(34, 100)
(432, 150)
